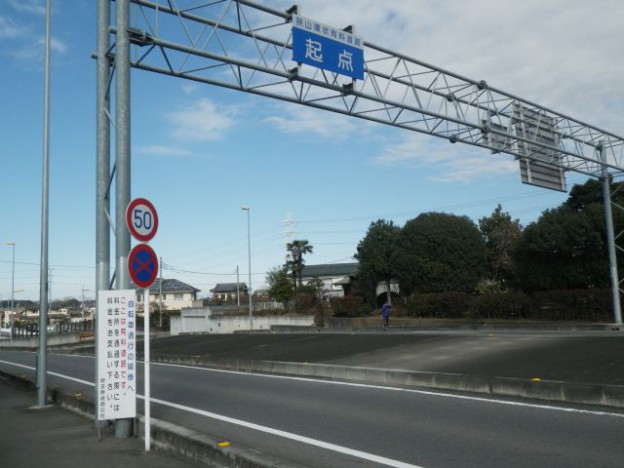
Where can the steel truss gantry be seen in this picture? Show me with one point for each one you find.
(247, 46)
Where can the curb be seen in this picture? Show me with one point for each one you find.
(611, 396)
(184, 442)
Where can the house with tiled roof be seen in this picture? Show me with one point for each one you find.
(176, 295)
(336, 277)
(228, 292)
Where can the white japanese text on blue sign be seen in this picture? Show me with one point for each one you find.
(328, 48)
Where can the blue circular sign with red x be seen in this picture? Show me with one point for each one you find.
(143, 265)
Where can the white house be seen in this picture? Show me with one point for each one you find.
(175, 294)
(336, 277)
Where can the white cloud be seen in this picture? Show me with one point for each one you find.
(33, 53)
(36, 7)
(313, 122)
(159, 150)
(447, 162)
(189, 88)
(8, 29)
(202, 121)
(562, 54)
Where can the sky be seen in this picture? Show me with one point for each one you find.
(200, 153)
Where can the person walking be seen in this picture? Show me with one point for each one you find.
(385, 313)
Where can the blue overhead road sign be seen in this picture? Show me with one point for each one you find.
(328, 48)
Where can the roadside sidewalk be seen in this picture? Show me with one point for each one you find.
(53, 437)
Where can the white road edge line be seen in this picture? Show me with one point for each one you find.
(408, 390)
(268, 430)
(378, 387)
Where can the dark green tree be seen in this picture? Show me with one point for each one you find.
(281, 288)
(374, 254)
(501, 235)
(438, 252)
(296, 250)
(564, 249)
(567, 247)
(69, 303)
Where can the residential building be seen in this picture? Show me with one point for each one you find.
(175, 294)
(228, 292)
(336, 277)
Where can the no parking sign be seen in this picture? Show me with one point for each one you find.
(143, 265)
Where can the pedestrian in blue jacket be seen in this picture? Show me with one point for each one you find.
(385, 313)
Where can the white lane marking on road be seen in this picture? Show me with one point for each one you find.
(378, 387)
(289, 435)
(409, 390)
(267, 430)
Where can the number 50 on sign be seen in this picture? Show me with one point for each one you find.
(142, 219)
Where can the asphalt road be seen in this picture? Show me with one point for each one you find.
(582, 357)
(325, 424)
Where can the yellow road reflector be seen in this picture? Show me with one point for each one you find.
(224, 444)
(536, 379)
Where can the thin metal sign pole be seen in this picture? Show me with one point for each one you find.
(146, 352)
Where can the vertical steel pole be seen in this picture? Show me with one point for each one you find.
(248, 209)
(13, 279)
(43, 282)
(160, 307)
(123, 427)
(615, 281)
(146, 367)
(249, 263)
(102, 202)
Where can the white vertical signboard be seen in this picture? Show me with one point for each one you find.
(116, 374)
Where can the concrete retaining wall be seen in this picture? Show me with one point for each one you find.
(548, 390)
(201, 321)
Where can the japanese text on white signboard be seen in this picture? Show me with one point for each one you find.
(116, 384)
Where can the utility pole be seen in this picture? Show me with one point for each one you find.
(42, 391)
(160, 306)
(248, 209)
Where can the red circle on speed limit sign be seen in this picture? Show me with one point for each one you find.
(142, 219)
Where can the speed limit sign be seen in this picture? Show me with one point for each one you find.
(142, 219)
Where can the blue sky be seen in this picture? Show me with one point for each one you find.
(201, 152)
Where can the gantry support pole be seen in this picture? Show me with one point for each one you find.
(615, 281)
(102, 201)
(123, 427)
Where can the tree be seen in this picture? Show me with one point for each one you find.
(69, 303)
(374, 254)
(438, 252)
(501, 235)
(281, 288)
(564, 249)
(567, 247)
(296, 250)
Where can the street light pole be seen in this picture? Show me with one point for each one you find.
(248, 209)
(12, 244)
(42, 355)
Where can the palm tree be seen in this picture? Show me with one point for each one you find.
(296, 250)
